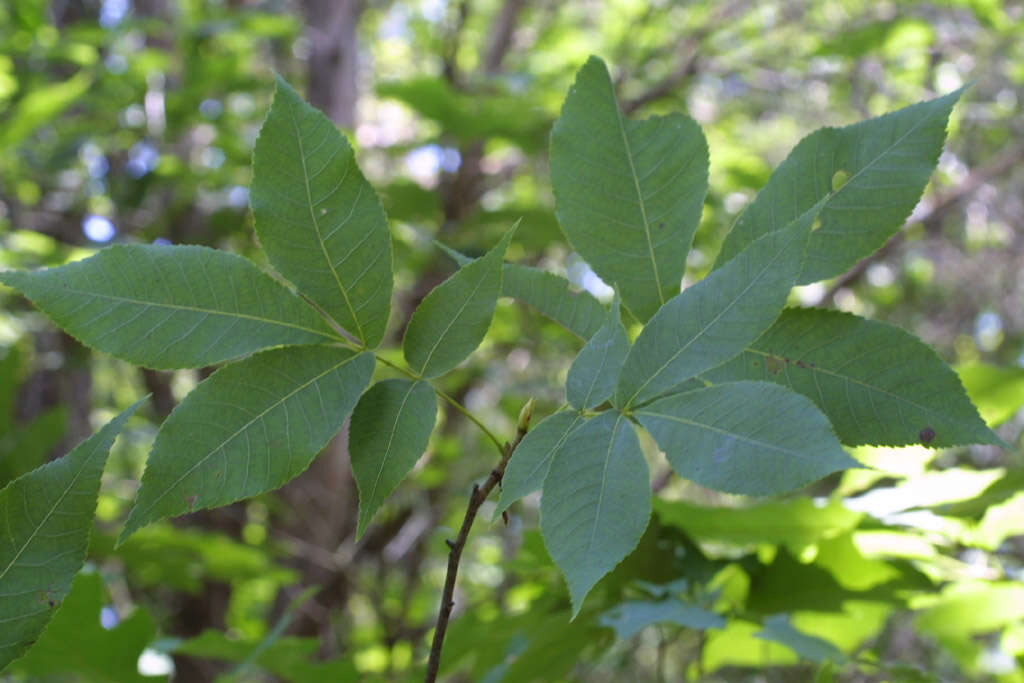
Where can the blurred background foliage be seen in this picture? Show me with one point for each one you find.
(134, 120)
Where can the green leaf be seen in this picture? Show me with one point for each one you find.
(777, 629)
(876, 383)
(795, 523)
(715, 319)
(250, 427)
(390, 428)
(630, 618)
(575, 310)
(754, 438)
(48, 514)
(628, 194)
(318, 218)
(453, 318)
(531, 460)
(595, 371)
(76, 646)
(170, 306)
(998, 392)
(886, 161)
(596, 502)
(40, 105)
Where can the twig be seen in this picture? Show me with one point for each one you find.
(476, 499)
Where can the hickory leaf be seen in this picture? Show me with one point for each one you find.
(531, 460)
(876, 383)
(389, 431)
(575, 310)
(716, 318)
(318, 219)
(596, 501)
(594, 373)
(628, 194)
(754, 438)
(48, 514)
(870, 174)
(250, 427)
(453, 318)
(165, 307)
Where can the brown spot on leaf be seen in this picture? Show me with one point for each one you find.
(773, 364)
(927, 435)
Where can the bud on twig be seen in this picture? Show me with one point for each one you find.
(525, 414)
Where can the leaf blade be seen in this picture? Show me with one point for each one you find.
(529, 464)
(39, 559)
(753, 438)
(453, 318)
(197, 463)
(389, 431)
(874, 198)
(139, 303)
(337, 246)
(861, 374)
(595, 372)
(596, 502)
(715, 319)
(609, 177)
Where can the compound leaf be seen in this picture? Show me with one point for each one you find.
(595, 371)
(529, 464)
(453, 318)
(596, 502)
(249, 428)
(389, 431)
(870, 175)
(318, 219)
(167, 307)
(628, 194)
(754, 438)
(715, 319)
(876, 383)
(48, 514)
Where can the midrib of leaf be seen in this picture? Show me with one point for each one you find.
(604, 483)
(913, 128)
(316, 226)
(391, 439)
(241, 429)
(557, 446)
(725, 432)
(196, 309)
(451, 322)
(46, 518)
(854, 380)
(703, 330)
(639, 197)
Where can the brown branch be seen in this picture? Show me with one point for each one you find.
(476, 499)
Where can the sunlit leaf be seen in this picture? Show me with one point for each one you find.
(76, 646)
(596, 501)
(628, 194)
(250, 427)
(998, 392)
(594, 373)
(47, 516)
(876, 383)
(531, 460)
(887, 162)
(318, 218)
(715, 319)
(40, 105)
(754, 438)
(452, 320)
(170, 306)
(389, 431)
